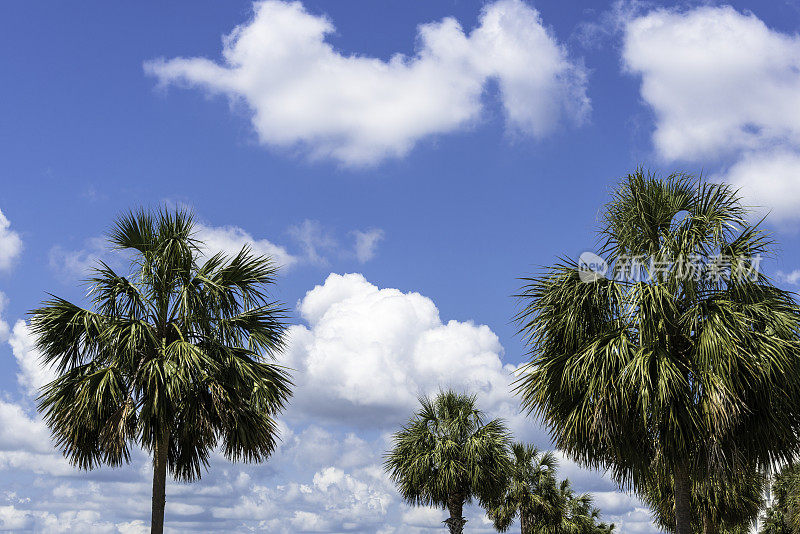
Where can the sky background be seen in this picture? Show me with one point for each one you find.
(405, 162)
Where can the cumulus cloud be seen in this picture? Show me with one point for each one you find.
(770, 180)
(718, 80)
(10, 244)
(230, 240)
(359, 110)
(325, 475)
(726, 87)
(367, 353)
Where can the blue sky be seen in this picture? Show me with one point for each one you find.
(434, 178)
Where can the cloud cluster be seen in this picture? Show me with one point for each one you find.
(367, 353)
(723, 85)
(10, 244)
(362, 357)
(359, 110)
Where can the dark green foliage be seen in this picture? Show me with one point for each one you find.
(697, 374)
(447, 455)
(532, 495)
(177, 351)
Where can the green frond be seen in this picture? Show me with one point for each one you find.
(177, 349)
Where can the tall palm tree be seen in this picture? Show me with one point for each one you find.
(173, 358)
(531, 493)
(447, 455)
(694, 363)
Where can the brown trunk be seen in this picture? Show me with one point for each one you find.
(706, 525)
(524, 523)
(159, 486)
(455, 505)
(683, 499)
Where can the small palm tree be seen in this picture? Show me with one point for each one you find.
(447, 455)
(577, 514)
(172, 358)
(532, 492)
(694, 366)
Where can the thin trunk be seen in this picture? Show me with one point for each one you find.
(455, 505)
(706, 525)
(159, 486)
(683, 499)
(524, 523)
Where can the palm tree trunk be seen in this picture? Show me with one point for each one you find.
(683, 499)
(159, 486)
(455, 505)
(706, 525)
(524, 523)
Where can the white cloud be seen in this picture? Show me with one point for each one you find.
(724, 86)
(325, 475)
(719, 81)
(367, 354)
(32, 373)
(367, 243)
(10, 244)
(315, 241)
(792, 277)
(4, 329)
(231, 239)
(770, 180)
(70, 264)
(359, 110)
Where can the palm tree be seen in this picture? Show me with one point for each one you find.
(695, 363)
(531, 493)
(447, 455)
(173, 358)
(576, 514)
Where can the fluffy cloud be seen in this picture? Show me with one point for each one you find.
(10, 244)
(725, 87)
(367, 353)
(770, 180)
(718, 80)
(358, 110)
(325, 475)
(231, 239)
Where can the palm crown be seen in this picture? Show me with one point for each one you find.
(170, 358)
(447, 455)
(696, 372)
